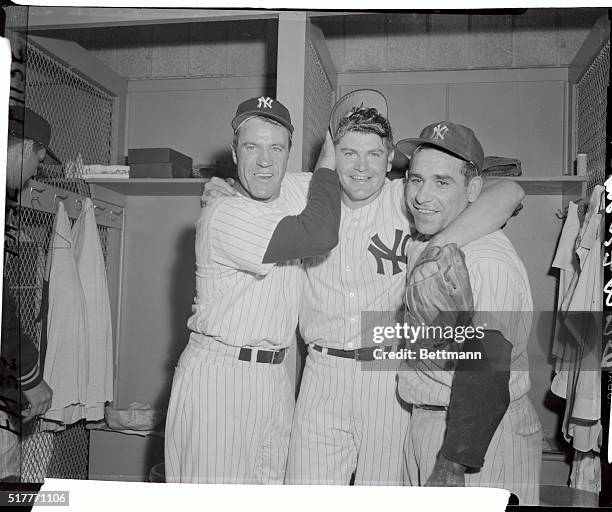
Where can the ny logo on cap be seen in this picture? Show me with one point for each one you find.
(440, 131)
(264, 102)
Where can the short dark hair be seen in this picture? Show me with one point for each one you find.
(266, 120)
(365, 120)
(469, 170)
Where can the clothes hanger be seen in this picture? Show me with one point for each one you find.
(68, 241)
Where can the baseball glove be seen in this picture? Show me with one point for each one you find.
(439, 293)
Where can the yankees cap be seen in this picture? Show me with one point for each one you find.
(355, 100)
(262, 106)
(361, 99)
(455, 138)
(27, 124)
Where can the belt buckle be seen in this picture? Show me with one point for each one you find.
(273, 360)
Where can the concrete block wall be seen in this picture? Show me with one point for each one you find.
(183, 50)
(411, 42)
(372, 42)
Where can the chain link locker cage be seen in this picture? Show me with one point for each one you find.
(80, 114)
(318, 102)
(591, 117)
(81, 117)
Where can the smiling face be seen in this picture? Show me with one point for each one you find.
(362, 163)
(436, 189)
(260, 154)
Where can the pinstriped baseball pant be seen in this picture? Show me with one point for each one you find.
(513, 459)
(347, 419)
(228, 420)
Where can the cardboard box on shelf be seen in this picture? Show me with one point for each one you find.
(159, 156)
(165, 170)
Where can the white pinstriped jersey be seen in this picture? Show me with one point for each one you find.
(364, 272)
(502, 301)
(240, 301)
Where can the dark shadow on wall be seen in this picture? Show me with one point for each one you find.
(182, 293)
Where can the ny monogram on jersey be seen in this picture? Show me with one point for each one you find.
(381, 252)
(364, 272)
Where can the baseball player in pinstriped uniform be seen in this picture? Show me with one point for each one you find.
(472, 424)
(348, 420)
(231, 405)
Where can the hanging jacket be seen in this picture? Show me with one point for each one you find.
(66, 361)
(92, 273)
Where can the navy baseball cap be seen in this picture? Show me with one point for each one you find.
(27, 124)
(262, 106)
(457, 139)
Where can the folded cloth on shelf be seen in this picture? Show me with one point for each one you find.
(106, 176)
(138, 416)
(77, 169)
(110, 170)
(501, 166)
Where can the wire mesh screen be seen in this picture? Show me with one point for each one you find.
(318, 102)
(591, 117)
(62, 454)
(80, 114)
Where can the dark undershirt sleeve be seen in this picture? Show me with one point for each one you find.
(19, 357)
(479, 399)
(314, 231)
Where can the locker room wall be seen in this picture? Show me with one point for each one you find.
(420, 41)
(162, 113)
(158, 290)
(181, 50)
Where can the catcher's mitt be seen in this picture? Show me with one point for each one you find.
(439, 293)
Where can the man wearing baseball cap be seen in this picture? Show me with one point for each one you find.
(230, 410)
(469, 413)
(24, 394)
(348, 420)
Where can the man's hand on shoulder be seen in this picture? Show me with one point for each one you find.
(327, 157)
(217, 187)
(446, 473)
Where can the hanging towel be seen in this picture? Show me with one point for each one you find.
(586, 472)
(65, 368)
(92, 273)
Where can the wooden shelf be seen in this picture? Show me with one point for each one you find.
(533, 185)
(152, 186)
(551, 185)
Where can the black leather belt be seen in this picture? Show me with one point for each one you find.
(263, 356)
(360, 354)
(430, 407)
